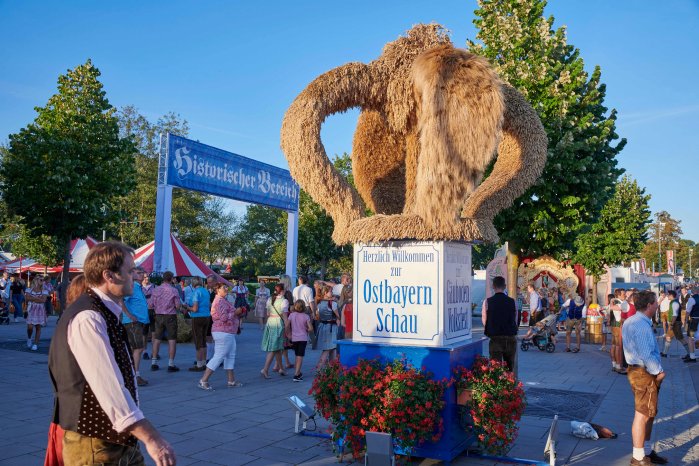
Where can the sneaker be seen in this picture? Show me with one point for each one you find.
(686, 357)
(145, 356)
(298, 378)
(34, 348)
(663, 355)
(656, 458)
(140, 381)
(203, 385)
(687, 360)
(29, 342)
(197, 369)
(644, 462)
(173, 369)
(154, 367)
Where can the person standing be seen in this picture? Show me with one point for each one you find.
(261, 297)
(226, 322)
(304, 293)
(345, 280)
(664, 301)
(17, 289)
(692, 324)
(645, 374)
(135, 319)
(534, 304)
(166, 301)
(299, 325)
(574, 322)
(200, 312)
(147, 287)
(36, 311)
(499, 317)
(96, 398)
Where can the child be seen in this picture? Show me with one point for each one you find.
(300, 325)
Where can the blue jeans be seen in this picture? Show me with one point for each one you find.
(17, 301)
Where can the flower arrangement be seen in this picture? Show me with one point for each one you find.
(497, 402)
(371, 396)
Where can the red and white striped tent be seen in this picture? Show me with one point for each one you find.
(78, 252)
(183, 262)
(19, 265)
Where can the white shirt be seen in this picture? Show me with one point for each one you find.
(665, 305)
(89, 343)
(534, 303)
(304, 293)
(337, 289)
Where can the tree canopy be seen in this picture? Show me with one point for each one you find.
(581, 169)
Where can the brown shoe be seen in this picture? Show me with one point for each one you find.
(141, 382)
(644, 462)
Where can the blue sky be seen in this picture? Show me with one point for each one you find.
(232, 68)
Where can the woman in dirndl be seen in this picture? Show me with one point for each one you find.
(329, 318)
(241, 297)
(273, 336)
(261, 297)
(36, 311)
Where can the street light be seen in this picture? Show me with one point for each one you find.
(661, 225)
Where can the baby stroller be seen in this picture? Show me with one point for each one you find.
(543, 337)
(4, 313)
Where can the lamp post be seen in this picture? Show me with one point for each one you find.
(661, 225)
(690, 263)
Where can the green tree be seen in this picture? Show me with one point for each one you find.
(73, 159)
(42, 248)
(262, 237)
(664, 234)
(619, 234)
(581, 170)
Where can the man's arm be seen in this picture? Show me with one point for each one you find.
(484, 312)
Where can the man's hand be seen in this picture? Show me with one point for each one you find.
(158, 448)
(659, 378)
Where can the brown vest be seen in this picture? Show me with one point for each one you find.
(75, 407)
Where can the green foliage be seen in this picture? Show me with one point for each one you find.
(620, 233)
(483, 254)
(581, 170)
(663, 235)
(44, 249)
(62, 169)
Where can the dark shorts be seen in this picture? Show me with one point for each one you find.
(503, 348)
(150, 327)
(693, 326)
(165, 322)
(645, 391)
(299, 347)
(677, 330)
(134, 331)
(200, 325)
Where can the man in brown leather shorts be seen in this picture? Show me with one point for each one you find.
(645, 374)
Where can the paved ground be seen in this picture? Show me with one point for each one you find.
(253, 425)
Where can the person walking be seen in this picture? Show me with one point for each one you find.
(299, 324)
(135, 319)
(272, 338)
(261, 297)
(329, 319)
(225, 324)
(534, 305)
(200, 312)
(36, 311)
(499, 317)
(165, 301)
(692, 324)
(96, 397)
(675, 331)
(645, 374)
(574, 322)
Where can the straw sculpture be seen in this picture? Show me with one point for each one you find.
(433, 117)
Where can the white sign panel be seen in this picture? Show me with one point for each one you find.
(412, 293)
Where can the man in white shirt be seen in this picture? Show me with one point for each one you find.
(344, 280)
(92, 370)
(534, 304)
(664, 301)
(305, 294)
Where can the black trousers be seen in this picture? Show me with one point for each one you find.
(504, 348)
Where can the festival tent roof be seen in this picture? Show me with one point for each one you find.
(19, 265)
(78, 251)
(183, 262)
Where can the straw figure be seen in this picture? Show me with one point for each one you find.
(432, 119)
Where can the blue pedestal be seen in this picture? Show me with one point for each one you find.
(440, 361)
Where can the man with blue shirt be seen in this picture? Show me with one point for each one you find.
(135, 318)
(645, 374)
(200, 312)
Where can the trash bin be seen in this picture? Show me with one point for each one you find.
(594, 325)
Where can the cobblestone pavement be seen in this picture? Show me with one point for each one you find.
(253, 424)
